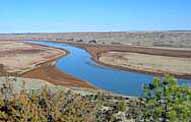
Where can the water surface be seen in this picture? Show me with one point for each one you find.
(80, 65)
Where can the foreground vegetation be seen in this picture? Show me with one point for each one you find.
(167, 101)
(163, 100)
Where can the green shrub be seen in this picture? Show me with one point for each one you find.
(121, 106)
(165, 100)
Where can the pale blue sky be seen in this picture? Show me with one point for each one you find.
(94, 15)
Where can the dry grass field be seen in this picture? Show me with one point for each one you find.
(20, 57)
(147, 62)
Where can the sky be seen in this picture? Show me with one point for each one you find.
(23, 16)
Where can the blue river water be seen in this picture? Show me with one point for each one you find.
(79, 64)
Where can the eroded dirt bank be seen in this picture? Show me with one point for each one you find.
(50, 73)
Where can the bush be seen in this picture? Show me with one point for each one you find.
(43, 105)
(121, 106)
(165, 100)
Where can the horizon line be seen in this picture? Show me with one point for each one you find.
(170, 30)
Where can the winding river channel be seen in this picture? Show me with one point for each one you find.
(79, 64)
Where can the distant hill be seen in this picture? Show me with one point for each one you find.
(171, 38)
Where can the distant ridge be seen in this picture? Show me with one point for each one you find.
(168, 38)
(142, 31)
(179, 30)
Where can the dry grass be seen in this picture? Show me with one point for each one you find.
(147, 62)
(17, 56)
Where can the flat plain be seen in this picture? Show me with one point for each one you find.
(152, 63)
(21, 57)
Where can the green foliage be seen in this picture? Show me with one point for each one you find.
(165, 100)
(121, 106)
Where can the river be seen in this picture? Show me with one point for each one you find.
(79, 64)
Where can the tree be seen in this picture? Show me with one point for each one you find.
(165, 100)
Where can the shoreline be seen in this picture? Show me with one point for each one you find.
(57, 77)
(48, 71)
(96, 51)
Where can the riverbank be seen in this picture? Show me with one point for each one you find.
(18, 57)
(97, 50)
(79, 65)
(150, 63)
(50, 73)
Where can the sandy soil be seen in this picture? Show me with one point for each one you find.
(21, 57)
(172, 65)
